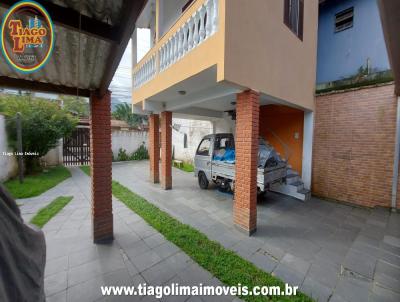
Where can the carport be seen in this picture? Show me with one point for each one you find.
(90, 39)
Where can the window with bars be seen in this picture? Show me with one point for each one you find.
(294, 16)
(344, 19)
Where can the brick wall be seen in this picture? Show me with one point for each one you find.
(353, 148)
(154, 147)
(246, 144)
(166, 150)
(100, 167)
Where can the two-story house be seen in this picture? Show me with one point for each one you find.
(210, 57)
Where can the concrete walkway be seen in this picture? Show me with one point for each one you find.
(333, 251)
(76, 268)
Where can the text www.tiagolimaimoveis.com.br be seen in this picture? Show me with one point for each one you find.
(197, 290)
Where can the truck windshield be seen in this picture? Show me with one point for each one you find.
(204, 147)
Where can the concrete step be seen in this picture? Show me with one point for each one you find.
(291, 190)
(290, 171)
(292, 178)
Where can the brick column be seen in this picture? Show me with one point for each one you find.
(100, 167)
(154, 148)
(246, 144)
(166, 150)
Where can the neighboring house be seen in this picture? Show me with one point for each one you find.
(350, 37)
(354, 158)
(186, 136)
(227, 61)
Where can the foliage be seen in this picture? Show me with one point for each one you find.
(140, 154)
(43, 125)
(187, 167)
(37, 184)
(123, 112)
(360, 79)
(122, 155)
(77, 105)
(48, 212)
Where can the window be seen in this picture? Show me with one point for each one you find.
(204, 147)
(344, 19)
(185, 143)
(294, 16)
(224, 143)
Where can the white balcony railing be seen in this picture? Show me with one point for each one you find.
(202, 24)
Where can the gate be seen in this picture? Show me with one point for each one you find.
(76, 148)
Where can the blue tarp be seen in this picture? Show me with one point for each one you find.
(228, 156)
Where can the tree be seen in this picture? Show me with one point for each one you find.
(123, 112)
(77, 105)
(43, 125)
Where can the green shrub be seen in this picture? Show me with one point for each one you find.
(140, 154)
(122, 155)
(43, 122)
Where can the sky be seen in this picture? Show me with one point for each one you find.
(121, 85)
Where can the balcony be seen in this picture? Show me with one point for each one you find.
(195, 31)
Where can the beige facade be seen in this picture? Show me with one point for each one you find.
(263, 54)
(251, 48)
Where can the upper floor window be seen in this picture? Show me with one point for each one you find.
(294, 16)
(344, 19)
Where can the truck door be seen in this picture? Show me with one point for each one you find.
(203, 157)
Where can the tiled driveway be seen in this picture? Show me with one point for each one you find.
(76, 268)
(334, 252)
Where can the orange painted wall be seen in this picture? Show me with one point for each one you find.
(285, 122)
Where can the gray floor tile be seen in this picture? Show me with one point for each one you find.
(296, 263)
(289, 275)
(380, 294)
(166, 250)
(319, 292)
(324, 273)
(360, 263)
(351, 289)
(145, 261)
(263, 261)
(55, 283)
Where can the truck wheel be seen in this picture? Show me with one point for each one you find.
(203, 181)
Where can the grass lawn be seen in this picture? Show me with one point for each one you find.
(186, 167)
(51, 210)
(37, 184)
(224, 264)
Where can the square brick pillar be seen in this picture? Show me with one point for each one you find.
(166, 150)
(246, 145)
(100, 167)
(154, 148)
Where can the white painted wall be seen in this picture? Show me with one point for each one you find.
(307, 149)
(195, 131)
(225, 125)
(128, 140)
(54, 157)
(8, 164)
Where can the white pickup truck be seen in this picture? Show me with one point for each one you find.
(215, 161)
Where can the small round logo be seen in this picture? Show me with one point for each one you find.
(27, 36)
